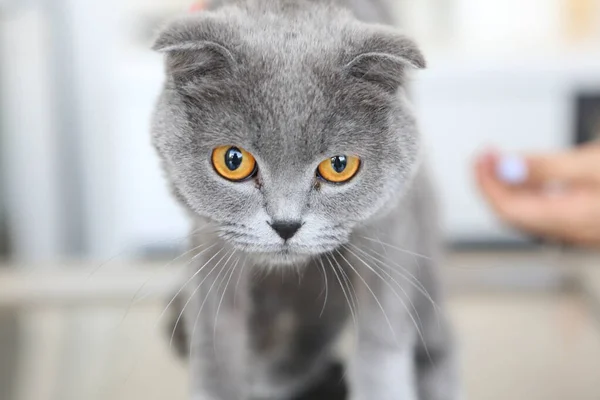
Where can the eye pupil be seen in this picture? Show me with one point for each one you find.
(339, 163)
(233, 158)
(338, 169)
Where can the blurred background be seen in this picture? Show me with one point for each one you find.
(86, 219)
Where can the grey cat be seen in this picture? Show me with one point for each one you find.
(285, 130)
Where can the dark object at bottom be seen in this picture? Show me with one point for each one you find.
(331, 387)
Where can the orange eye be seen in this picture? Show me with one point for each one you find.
(233, 163)
(339, 169)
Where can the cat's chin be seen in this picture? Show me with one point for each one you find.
(282, 255)
(280, 258)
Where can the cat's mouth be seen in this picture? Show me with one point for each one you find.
(295, 251)
(282, 255)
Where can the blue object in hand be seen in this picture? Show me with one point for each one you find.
(512, 169)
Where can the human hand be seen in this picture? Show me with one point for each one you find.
(555, 196)
(198, 6)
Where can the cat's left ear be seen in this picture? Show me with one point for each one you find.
(382, 57)
(197, 47)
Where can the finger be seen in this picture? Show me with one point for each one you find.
(497, 194)
(522, 207)
(568, 216)
(578, 166)
(197, 6)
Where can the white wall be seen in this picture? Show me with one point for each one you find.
(466, 102)
(463, 106)
(486, 27)
(127, 201)
(29, 142)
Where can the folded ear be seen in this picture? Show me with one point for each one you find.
(196, 47)
(382, 57)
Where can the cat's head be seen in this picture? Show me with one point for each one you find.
(286, 130)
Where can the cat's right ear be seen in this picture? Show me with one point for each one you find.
(196, 48)
(382, 56)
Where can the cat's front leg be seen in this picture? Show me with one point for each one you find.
(382, 372)
(211, 373)
(382, 363)
(216, 331)
(435, 359)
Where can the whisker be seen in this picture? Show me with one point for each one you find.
(200, 310)
(326, 287)
(353, 313)
(479, 268)
(136, 294)
(397, 248)
(373, 294)
(401, 267)
(134, 298)
(414, 282)
(351, 290)
(188, 282)
(417, 322)
(178, 239)
(235, 290)
(195, 291)
(221, 301)
(381, 244)
(421, 288)
(162, 314)
(351, 301)
(420, 323)
(233, 235)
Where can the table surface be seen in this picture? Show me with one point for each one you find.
(75, 337)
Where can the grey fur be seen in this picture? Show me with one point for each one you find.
(294, 83)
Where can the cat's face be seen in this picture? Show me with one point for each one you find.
(285, 138)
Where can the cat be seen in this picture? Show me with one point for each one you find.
(285, 130)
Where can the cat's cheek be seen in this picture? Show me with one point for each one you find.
(218, 199)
